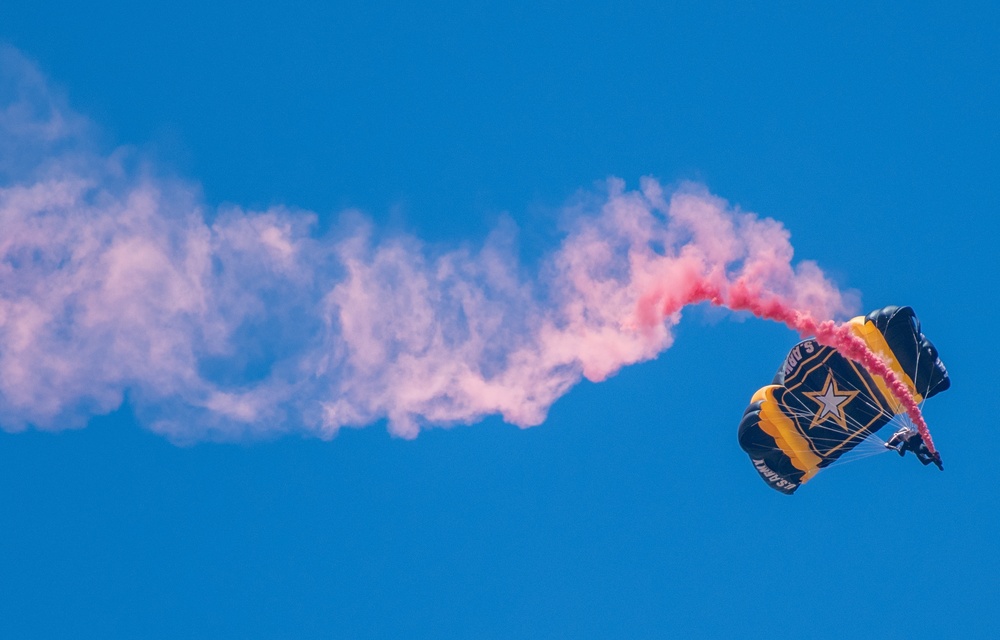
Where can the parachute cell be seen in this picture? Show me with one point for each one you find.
(821, 405)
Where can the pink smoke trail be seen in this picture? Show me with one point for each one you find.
(232, 323)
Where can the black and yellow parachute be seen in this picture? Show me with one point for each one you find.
(821, 405)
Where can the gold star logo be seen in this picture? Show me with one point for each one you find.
(832, 401)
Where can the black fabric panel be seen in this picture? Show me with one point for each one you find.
(916, 354)
(771, 463)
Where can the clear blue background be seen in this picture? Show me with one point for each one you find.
(872, 133)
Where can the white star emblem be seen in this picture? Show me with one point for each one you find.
(832, 401)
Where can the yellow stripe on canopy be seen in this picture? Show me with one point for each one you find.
(868, 332)
(787, 437)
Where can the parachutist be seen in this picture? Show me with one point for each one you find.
(907, 439)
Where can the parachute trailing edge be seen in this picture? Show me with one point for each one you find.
(821, 405)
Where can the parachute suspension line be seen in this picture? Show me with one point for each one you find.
(853, 347)
(916, 368)
(923, 394)
(834, 391)
(836, 433)
(850, 420)
(879, 409)
(870, 444)
(868, 441)
(804, 412)
(741, 296)
(807, 413)
(867, 449)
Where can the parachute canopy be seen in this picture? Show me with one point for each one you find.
(821, 405)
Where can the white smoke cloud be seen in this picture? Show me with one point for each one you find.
(226, 324)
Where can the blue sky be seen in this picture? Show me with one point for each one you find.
(870, 133)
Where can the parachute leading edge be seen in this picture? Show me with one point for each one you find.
(821, 405)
